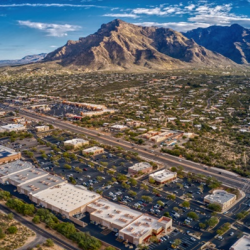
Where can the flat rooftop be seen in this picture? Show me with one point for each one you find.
(162, 175)
(144, 225)
(67, 197)
(42, 184)
(114, 213)
(27, 175)
(76, 141)
(5, 152)
(14, 167)
(92, 149)
(140, 166)
(13, 126)
(242, 244)
(219, 196)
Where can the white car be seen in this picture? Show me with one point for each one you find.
(192, 239)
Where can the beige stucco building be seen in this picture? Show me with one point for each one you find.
(65, 199)
(93, 151)
(76, 143)
(140, 231)
(8, 155)
(111, 215)
(143, 167)
(163, 176)
(222, 198)
(42, 128)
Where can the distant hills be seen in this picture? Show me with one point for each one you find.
(24, 60)
(232, 42)
(118, 45)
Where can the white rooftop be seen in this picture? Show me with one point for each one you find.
(219, 196)
(140, 166)
(67, 197)
(92, 149)
(242, 244)
(162, 175)
(75, 141)
(114, 213)
(143, 225)
(13, 126)
(27, 175)
(14, 167)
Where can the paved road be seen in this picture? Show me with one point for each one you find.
(38, 240)
(166, 159)
(38, 230)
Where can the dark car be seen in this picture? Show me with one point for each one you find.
(85, 169)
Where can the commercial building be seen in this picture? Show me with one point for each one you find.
(143, 167)
(111, 215)
(8, 155)
(6, 170)
(163, 176)
(118, 128)
(93, 151)
(242, 244)
(140, 231)
(222, 198)
(14, 127)
(26, 176)
(76, 143)
(42, 128)
(35, 186)
(65, 199)
(2, 113)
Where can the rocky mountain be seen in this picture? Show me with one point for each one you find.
(232, 42)
(24, 60)
(119, 45)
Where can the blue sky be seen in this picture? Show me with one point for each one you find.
(36, 26)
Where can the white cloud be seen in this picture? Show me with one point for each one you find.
(49, 5)
(56, 30)
(53, 46)
(118, 15)
(158, 11)
(190, 7)
(178, 26)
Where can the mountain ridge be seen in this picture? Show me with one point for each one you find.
(118, 45)
(231, 41)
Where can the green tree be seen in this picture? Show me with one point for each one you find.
(193, 215)
(202, 225)
(185, 204)
(10, 216)
(160, 203)
(213, 221)
(214, 207)
(151, 180)
(66, 229)
(177, 242)
(49, 243)
(12, 229)
(147, 198)
(36, 219)
(2, 234)
(171, 197)
(133, 182)
(77, 169)
(132, 193)
(67, 166)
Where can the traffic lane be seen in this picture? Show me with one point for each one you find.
(171, 159)
(38, 230)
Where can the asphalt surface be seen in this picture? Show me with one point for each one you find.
(38, 230)
(166, 159)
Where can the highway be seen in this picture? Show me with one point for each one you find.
(38, 230)
(166, 159)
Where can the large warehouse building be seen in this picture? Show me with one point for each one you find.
(15, 167)
(111, 215)
(65, 199)
(8, 155)
(39, 185)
